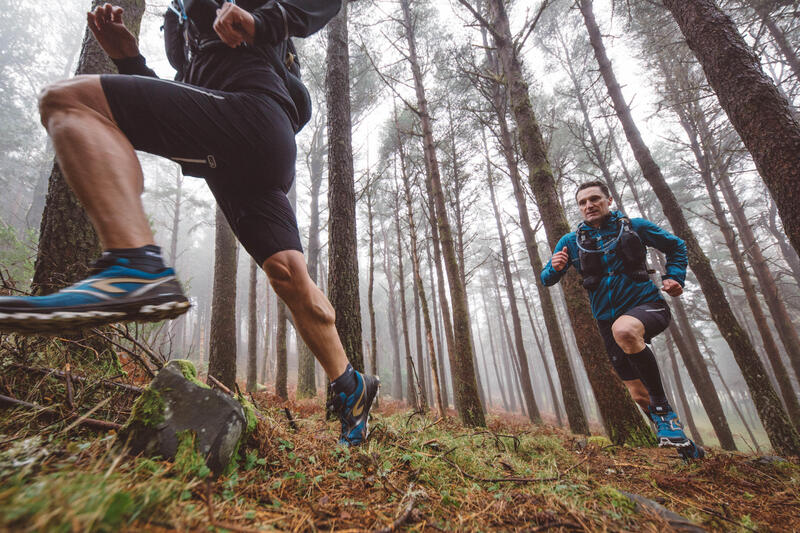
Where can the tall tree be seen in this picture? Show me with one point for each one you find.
(222, 350)
(342, 241)
(252, 330)
(461, 364)
(783, 436)
(522, 356)
(755, 107)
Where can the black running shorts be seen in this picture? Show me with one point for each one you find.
(654, 315)
(242, 143)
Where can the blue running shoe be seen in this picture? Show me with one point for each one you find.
(114, 292)
(669, 429)
(691, 452)
(353, 410)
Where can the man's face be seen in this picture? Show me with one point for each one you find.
(594, 205)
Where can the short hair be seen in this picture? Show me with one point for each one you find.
(595, 183)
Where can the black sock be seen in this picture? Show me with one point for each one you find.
(647, 367)
(345, 383)
(147, 258)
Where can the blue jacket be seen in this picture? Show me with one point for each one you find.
(618, 293)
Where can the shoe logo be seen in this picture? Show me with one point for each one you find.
(107, 285)
(358, 408)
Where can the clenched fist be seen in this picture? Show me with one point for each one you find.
(111, 34)
(560, 259)
(234, 25)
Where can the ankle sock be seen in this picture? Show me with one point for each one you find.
(346, 383)
(645, 364)
(147, 258)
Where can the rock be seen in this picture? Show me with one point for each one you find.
(174, 408)
(678, 522)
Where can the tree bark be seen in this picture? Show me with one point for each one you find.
(252, 331)
(412, 385)
(621, 417)
(342, 241)
(281, 363)
(222, 352)
(758, 112)
(397, 377)
(465, 386)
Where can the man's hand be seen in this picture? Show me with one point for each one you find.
(234, 25)
(671, 287)
(112, 36)
(560, 259)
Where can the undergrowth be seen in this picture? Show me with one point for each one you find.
(428, 474)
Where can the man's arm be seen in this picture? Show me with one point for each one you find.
(116, 40)
(277, 21)
(673, 247)
(558, 265)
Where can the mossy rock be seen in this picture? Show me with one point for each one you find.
(174, 404)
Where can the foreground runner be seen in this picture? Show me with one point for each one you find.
(609, 251)
(232, 121)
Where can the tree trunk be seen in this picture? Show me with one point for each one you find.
(267, 336)
(522, 357)
(502, 386)
(373, 337)
(281, 363)
(621, 417)
(687, 409)
(735, 405)
(421, 292)
(464, 382)
(435, 308)
(761, 116)
(412, 385)
(252, 331)
(222, 354)
(342, 242)
(782, 434)
(397, 377)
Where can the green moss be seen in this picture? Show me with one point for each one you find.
(620, 504)
(599, 440)
(249, 415)
(189, 371)
(187, 459)
(148, 409)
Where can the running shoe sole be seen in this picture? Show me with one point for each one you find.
(54, 321)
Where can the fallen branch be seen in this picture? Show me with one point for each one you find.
(218, 384)
(494, 480)
(292, 423)
(404, 516)
(48, 411)
(74, 377)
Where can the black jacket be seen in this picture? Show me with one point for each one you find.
(269, 65)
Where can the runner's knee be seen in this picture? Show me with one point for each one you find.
(626, 334)
(291, 282)
(81, 92)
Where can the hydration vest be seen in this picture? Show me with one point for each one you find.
(195, 20)
(627, 246)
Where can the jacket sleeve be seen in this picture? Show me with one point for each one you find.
(551, 276)
(134, 66)
(673, 247)
(278, 20)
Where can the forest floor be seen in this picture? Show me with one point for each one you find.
(416, 473)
